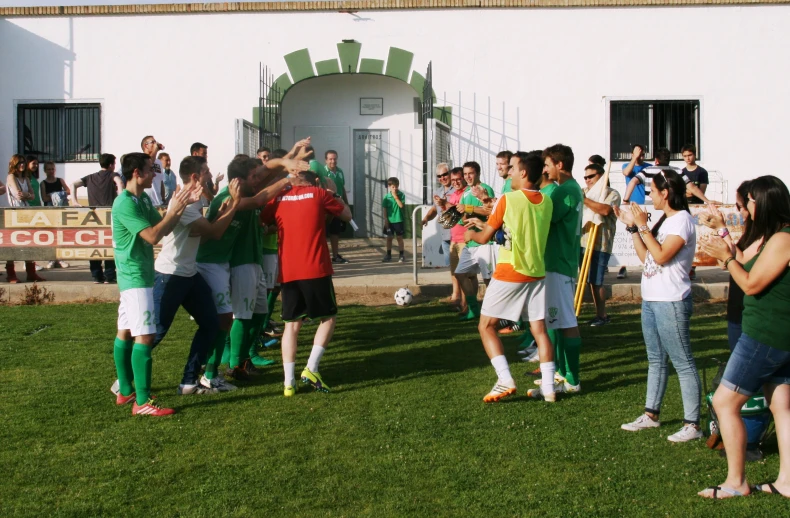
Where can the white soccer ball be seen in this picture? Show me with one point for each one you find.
(403, 297)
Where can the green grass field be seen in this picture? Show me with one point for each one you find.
(404, 432)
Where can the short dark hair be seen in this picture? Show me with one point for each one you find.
(133, 161)
(240, 167)
(560, 153)
(532, 163)
(507, 155)
(473, 165)
(30, 158)
(393, 181)
(663, 156)
(142, 142)
(328, 151)
(456, 170)
(689, 147)
(163, 153)
(190, 165)
(279, 153)
(595, 167)
(197, 146)
(598, 160)
(309, 176)
(106, 160)
(262, 149)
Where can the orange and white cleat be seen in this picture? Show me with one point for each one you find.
(151, 408)
(498, 393)
(120, 399)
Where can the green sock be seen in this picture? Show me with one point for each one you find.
(474, 310)
(272, 299)
(226, 348)
(212, 365)
(559, 350)
(573, 349)
(141, 364)
(256, 327)
(239, 341)
(122, 353)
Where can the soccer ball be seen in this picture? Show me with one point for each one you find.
(403, 297)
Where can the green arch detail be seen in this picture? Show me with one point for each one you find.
(398, 65)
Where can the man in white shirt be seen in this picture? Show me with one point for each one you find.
(178, 282)
(157, 190)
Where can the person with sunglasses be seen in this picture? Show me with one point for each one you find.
(761, 358)
(604, 241)
(440, 205)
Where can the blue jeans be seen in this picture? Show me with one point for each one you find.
(733, 334)
(753, 364)
(665, 326)
(446, 252)
(172, 291)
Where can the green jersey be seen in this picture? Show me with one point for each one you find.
(36, 191)
(394, 211)
(248, 248)
(467, 198)
(563, 247)
(217, 251)
(506, 188)
(134, 256)
(337, 176)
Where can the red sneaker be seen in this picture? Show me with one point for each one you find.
(120, 399)
(151, 408)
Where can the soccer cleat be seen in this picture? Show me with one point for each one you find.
(116, 387)
(531, 348)
(120, 399)
(271, 343)
(273, 331)
(314, 379)
(531, 357)
(260, 361)
(217, 382)
(250, 368)
(598, 321)
(538, 394)
(536, 372)
(237, 373)
(498, 393)
(290, 390)
(643, 422)
(196, 388)
(689, 432)
(151, 408)
(557, 380)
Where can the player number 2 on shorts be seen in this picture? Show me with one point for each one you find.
(147, 318)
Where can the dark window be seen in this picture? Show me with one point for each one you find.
(655, 124)
(60, 132)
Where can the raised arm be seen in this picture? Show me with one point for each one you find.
(179, 202)
(662, 252)
(215, 229)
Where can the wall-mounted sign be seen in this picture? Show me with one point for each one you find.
(371, 106)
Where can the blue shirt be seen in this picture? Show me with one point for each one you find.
(170, 184)
(638, 195)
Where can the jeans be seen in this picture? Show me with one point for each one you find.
(753, 364)
(446, 252)
(107, 274)
(733, 334)
(665, 326)
(172, 291)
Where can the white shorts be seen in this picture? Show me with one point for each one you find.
(515, 301)
(270, 264)
(560, 291)
(247, 291)
(217, 276)
(136, 311)
(477, 259)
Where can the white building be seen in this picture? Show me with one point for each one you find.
(77, 81)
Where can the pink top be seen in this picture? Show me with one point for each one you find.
(457, 232)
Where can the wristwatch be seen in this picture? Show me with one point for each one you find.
(633, 229)
(336, 195)
(644, 229)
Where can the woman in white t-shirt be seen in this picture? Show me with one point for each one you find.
(667, 252)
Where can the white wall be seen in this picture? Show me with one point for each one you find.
(334, 101)
(184, 78)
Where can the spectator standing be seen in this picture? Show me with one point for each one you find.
(630, 170)
(604, 240)
(440, 204)
(393, 203)
(667, 252)
(336, 225)
(697, 174)
(54, 193)
(156, 192)
(33, 172)
(20, 194)
(170, 179)
(457, 241)
(103, 187)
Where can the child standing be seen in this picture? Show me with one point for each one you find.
(393, 204)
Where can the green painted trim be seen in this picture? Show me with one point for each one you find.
(329, 66)
(418, 83)
(283, 83)
(349, 56)
(399, 63)
(443, 114)
(299, 65)
(371, 66)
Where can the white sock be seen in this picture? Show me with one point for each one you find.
(503, 370)
(315, 357)
(290, 380)
(547, 378)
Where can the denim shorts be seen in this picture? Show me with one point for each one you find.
(752, 364)
(599, 262)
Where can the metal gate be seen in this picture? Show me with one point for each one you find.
(269, 111)
(247, 137)
(427, 136)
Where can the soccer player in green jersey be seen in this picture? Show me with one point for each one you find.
(562, 267)
(136, 228)
(503, 168)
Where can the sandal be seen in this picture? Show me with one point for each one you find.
(773, 490)
(725, 490)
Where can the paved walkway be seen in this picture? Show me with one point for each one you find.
(364, 279)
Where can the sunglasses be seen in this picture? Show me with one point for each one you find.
(591, 176)
(442, 175)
